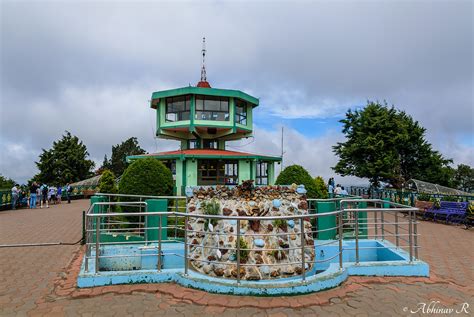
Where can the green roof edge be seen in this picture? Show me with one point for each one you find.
(207, 92)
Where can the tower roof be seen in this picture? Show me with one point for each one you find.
(205, 153)
(157, 95)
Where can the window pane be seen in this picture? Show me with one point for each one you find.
(225, 105)
(211, 104)
(185, 115)
(199, 103)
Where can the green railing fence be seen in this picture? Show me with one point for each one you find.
(406, 197)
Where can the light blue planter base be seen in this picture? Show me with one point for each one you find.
(383, 260)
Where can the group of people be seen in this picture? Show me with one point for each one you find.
(334, 190)
(40, 194)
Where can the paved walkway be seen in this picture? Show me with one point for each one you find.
(39, 281)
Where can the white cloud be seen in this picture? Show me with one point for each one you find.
(90, 68)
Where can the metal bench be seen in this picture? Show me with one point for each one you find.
(449, 211)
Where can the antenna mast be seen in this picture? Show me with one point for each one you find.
(282, 150)
(203, 66)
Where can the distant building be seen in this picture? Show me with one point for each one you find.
(203, 119)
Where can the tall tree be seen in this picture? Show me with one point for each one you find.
(464, 178)
(67, 161)
(117, 163)
(6, 183)
(387, 145)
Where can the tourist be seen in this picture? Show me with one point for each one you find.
(330, 189)
(38, 194)
(33, 191)
(15, 195)
(44, 196)
(68, 193)
(52, 195)
(344, 192)
(338, 189)
(58, 195)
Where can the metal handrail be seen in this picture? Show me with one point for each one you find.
(341, 225)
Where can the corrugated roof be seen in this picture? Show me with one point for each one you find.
(430, 188)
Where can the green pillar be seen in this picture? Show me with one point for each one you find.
(156, 205)
(326, 222)
(98, 199)
(386, 205)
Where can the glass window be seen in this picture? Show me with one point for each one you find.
(178, 108)
(217, 172)
(212, 108)
(240, 112)
(262, 173)
(193, 144)
(209, 144)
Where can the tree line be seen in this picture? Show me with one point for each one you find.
(383, 144)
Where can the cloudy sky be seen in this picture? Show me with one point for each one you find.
(90, 67)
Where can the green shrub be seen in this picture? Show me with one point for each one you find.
(280, 223)
(321, 187)
(107, 183)
(298, 175)
(423, 197)
(244, 254)
(211, 207)
(147, 177)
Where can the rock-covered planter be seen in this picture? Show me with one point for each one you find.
(268, 248)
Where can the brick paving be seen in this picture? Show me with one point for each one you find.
(39, 281)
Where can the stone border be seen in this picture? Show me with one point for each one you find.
(65, 287)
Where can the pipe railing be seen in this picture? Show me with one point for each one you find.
(347, 206)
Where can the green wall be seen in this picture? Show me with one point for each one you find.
(191, 172)
(245, 170)
(179, 176)
(271, 173)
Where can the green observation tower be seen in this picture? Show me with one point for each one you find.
(203, 119)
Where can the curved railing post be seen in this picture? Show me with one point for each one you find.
(97, 243)
(415, 237)
(186, 261)
(340, 239)
(357, 236)
(303, 240)
(176, 219)
(159, 243)
(397, 236)
(238, 251)
(410, 235)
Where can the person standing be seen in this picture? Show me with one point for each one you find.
(33, 191)
(52, 195)
(68, 193)
(38, 194)
(338, 189)
(343, 191)
(58, 195)
(15, 195)
(44, 195)
(330, 189)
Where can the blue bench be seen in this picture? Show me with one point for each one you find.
(449, 211)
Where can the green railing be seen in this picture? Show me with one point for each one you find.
(5, 198)
(404, 196)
